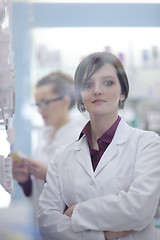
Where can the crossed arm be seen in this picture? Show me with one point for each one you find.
(107, 234)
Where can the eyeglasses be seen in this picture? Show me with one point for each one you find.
(44, 104)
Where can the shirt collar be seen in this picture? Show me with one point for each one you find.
(106, 137)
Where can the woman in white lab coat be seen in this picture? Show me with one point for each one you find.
(106, 185)
(54, 96)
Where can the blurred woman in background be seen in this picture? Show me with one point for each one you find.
(54, 98)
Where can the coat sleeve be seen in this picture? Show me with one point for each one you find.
(132, 210)
(53, 224)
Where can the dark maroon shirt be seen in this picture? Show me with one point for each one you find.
(27, 187)
(103, 141)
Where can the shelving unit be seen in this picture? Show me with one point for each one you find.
(140, 57)
(7, 94)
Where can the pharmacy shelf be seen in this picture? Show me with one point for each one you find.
(6, 90)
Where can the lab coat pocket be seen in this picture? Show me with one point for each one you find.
(121, 184)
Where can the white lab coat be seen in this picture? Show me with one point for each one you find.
(122, 193)
(45, 152)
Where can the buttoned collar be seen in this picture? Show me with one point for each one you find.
(106, 137)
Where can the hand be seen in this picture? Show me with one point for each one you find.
(20, 171)
(37, 169)
(69, 211)
(113, 235)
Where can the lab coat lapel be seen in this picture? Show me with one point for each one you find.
(82, 155)
(120, 137)
(107, 156)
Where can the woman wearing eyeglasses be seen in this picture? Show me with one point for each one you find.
(54, 96)
(106, 185)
